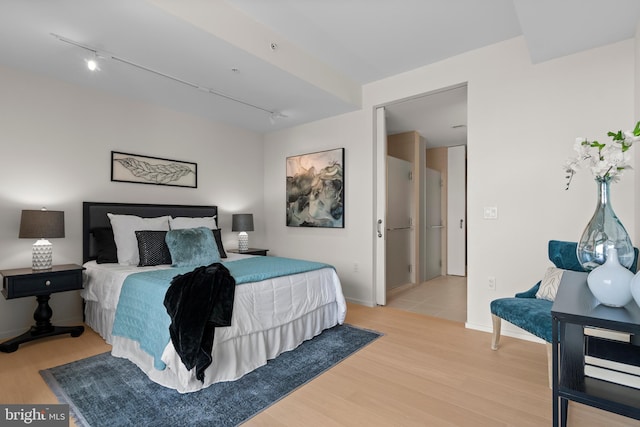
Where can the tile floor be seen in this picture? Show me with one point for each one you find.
(444, 297)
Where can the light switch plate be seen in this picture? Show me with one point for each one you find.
(490, 212)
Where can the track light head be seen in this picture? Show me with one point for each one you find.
(92, 63)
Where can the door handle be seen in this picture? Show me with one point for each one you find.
(379, 228)
(461, 222)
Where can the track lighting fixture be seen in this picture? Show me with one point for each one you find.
(275, 115)
(92, 64)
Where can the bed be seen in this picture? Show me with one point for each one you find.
(271, 314)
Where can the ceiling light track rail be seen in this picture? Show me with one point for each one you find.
(101, 54)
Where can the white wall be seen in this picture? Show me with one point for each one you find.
(636, 237)
(517, 147)
(56, 140)
(522, 122)
(348, 249)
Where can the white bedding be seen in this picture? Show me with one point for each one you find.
(269, 317)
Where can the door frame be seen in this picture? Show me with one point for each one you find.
(380, 211)
(380, 192)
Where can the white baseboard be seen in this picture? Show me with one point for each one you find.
(360, 302)
(523, 335)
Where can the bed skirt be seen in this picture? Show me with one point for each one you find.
(238, 355)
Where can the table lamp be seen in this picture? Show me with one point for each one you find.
(42, 225)
(242, 223)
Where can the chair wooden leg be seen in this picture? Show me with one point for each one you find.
(550, 363)
(495, 340)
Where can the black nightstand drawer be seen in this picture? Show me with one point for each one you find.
(34, 283)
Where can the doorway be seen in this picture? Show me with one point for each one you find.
(440, 119)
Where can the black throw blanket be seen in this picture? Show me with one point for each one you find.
(197, 302)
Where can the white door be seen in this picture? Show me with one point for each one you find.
(400, 245)
(456, 212)
(433, 224)
(380, 194)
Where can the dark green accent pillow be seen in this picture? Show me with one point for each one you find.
(192, 247)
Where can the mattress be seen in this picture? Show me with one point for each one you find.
(269, 317)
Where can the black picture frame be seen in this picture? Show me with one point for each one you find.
(141, 169)
(315, 189)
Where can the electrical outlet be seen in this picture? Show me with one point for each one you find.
(355, 267)
(492, 283)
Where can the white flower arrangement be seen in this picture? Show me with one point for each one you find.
(607, 161)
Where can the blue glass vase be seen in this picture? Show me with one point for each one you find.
(604, 229)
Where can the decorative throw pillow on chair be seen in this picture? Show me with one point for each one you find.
(549, 285)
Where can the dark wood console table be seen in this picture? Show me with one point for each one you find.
(574, 309)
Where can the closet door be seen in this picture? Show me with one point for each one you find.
(456, 216)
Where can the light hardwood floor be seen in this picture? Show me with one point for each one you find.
(424, 371)
(444, 297)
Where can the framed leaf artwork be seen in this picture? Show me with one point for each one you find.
(315, 189)
(127, 167)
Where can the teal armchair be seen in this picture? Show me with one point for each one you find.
(533, 315)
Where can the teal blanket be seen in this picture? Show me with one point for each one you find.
(142, 317)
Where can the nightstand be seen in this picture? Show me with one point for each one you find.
(25, 282)
(250, 251)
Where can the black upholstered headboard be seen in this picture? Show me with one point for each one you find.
(94, 214)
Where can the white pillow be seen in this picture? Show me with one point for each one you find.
(549, 285)
(182, 222)
(124, 234)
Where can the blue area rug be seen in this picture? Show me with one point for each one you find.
(108, 391)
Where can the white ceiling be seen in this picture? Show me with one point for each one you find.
(440, 117)
(323, 50)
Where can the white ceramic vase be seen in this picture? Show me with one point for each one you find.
(611, 282)
(635, 288)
